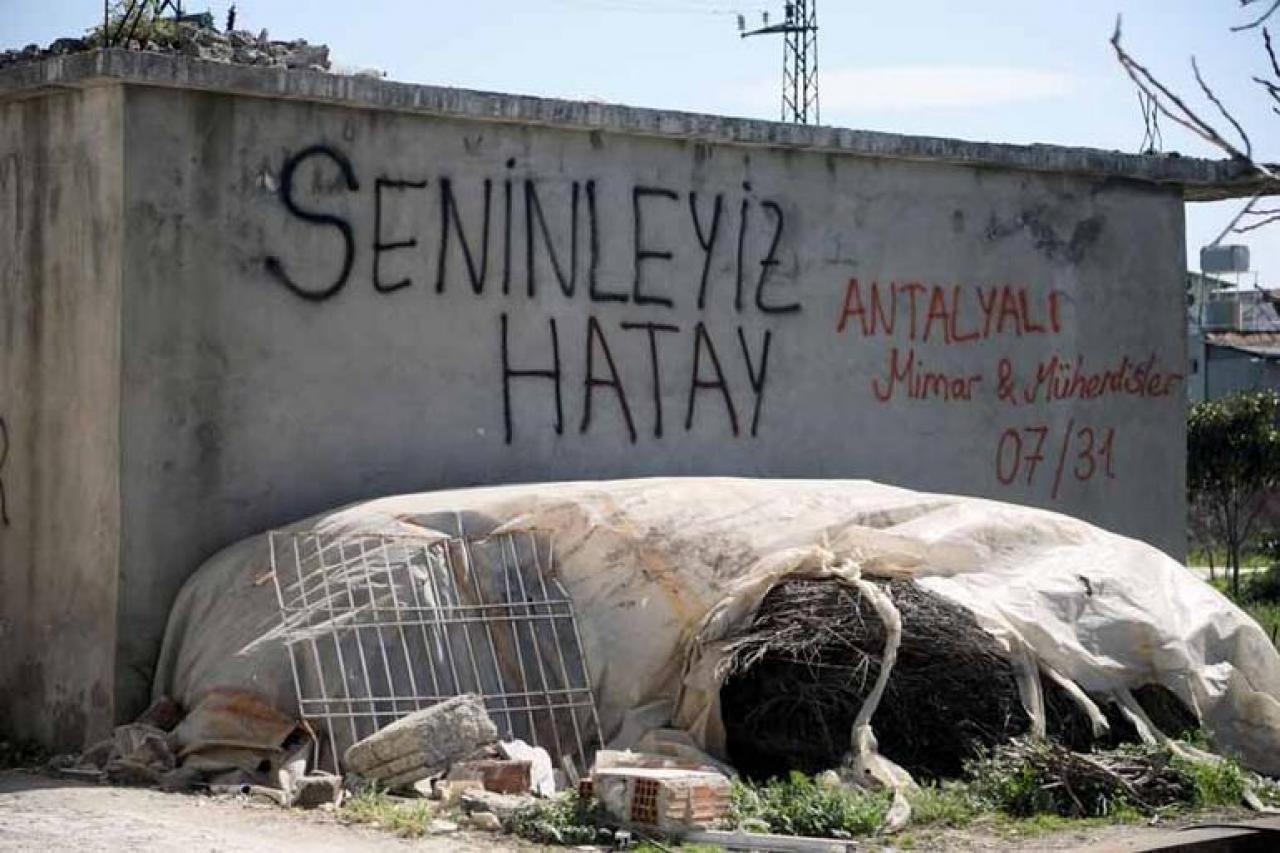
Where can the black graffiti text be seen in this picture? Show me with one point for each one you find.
(632, 366)
(695, 249)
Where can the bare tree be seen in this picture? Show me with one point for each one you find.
(1228, 134)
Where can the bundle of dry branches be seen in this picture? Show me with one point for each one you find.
(1033, 777)
(800, 672)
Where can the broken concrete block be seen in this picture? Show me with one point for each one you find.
(313, 791)
(485, 822)
(450, 791)
(541, 774)
(423, 743)
(669, 799)
(502, 805)
(500, 775)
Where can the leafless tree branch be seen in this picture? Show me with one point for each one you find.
(1209, 93)
(1253, 226)
(1165, 101)
(1271, 51)
(1261, 19)
(1168, 103)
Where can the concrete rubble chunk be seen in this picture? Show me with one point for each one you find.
(485, 822)
(424, 743)
(305, 56)
(448, 791)
(316, 790)
(502, 805)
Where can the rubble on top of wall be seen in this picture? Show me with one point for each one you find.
(238, 47)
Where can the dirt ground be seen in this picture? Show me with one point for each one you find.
(48, 814)
(45, 813)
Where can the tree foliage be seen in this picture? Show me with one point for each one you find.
(1233, 464)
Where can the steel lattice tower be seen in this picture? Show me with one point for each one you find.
(799, 60)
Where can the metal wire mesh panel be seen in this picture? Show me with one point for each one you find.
(380, 626)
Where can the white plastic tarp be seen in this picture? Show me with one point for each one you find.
(661, 570)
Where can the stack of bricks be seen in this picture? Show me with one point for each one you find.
(666, 798)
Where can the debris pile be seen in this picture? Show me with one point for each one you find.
(423, 744)
(239, 47)
(1038, 776)
(160, 750)
(803, 668)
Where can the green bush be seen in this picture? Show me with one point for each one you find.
(949, 804)
(1263, 587)
(798, 805)
(567, 819)
(1214, 784)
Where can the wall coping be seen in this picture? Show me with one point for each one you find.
(1199, 179)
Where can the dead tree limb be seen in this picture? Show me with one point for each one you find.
(1261, 19)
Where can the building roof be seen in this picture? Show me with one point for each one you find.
(1261, 344)
(1199, 180)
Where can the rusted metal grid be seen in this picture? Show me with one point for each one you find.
(380, 626)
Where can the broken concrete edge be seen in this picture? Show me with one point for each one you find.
(1199, 179)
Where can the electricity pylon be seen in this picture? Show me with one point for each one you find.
(799, 59)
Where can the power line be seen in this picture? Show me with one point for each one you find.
(799, 29)
(713, 7)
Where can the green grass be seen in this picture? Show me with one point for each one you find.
(1267, 614)
(1259, 597)
(799, 805)
(1200, 557)
(406, 818)
(950, 804)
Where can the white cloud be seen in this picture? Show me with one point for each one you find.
(917, 87)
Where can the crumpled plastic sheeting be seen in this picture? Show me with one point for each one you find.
(653, 564)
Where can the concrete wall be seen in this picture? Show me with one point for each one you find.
(272, 293)
(1231, 371)
(60, 205)
(278, 362)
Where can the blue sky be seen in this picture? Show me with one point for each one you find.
(1000, 70)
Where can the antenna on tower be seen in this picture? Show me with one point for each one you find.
(799, 59)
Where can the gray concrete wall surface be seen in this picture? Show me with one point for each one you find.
(324, 300)
(60, 206)
(1230, 371)
(326, 304)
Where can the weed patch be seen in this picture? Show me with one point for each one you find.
(406, 818)
(799, 805)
